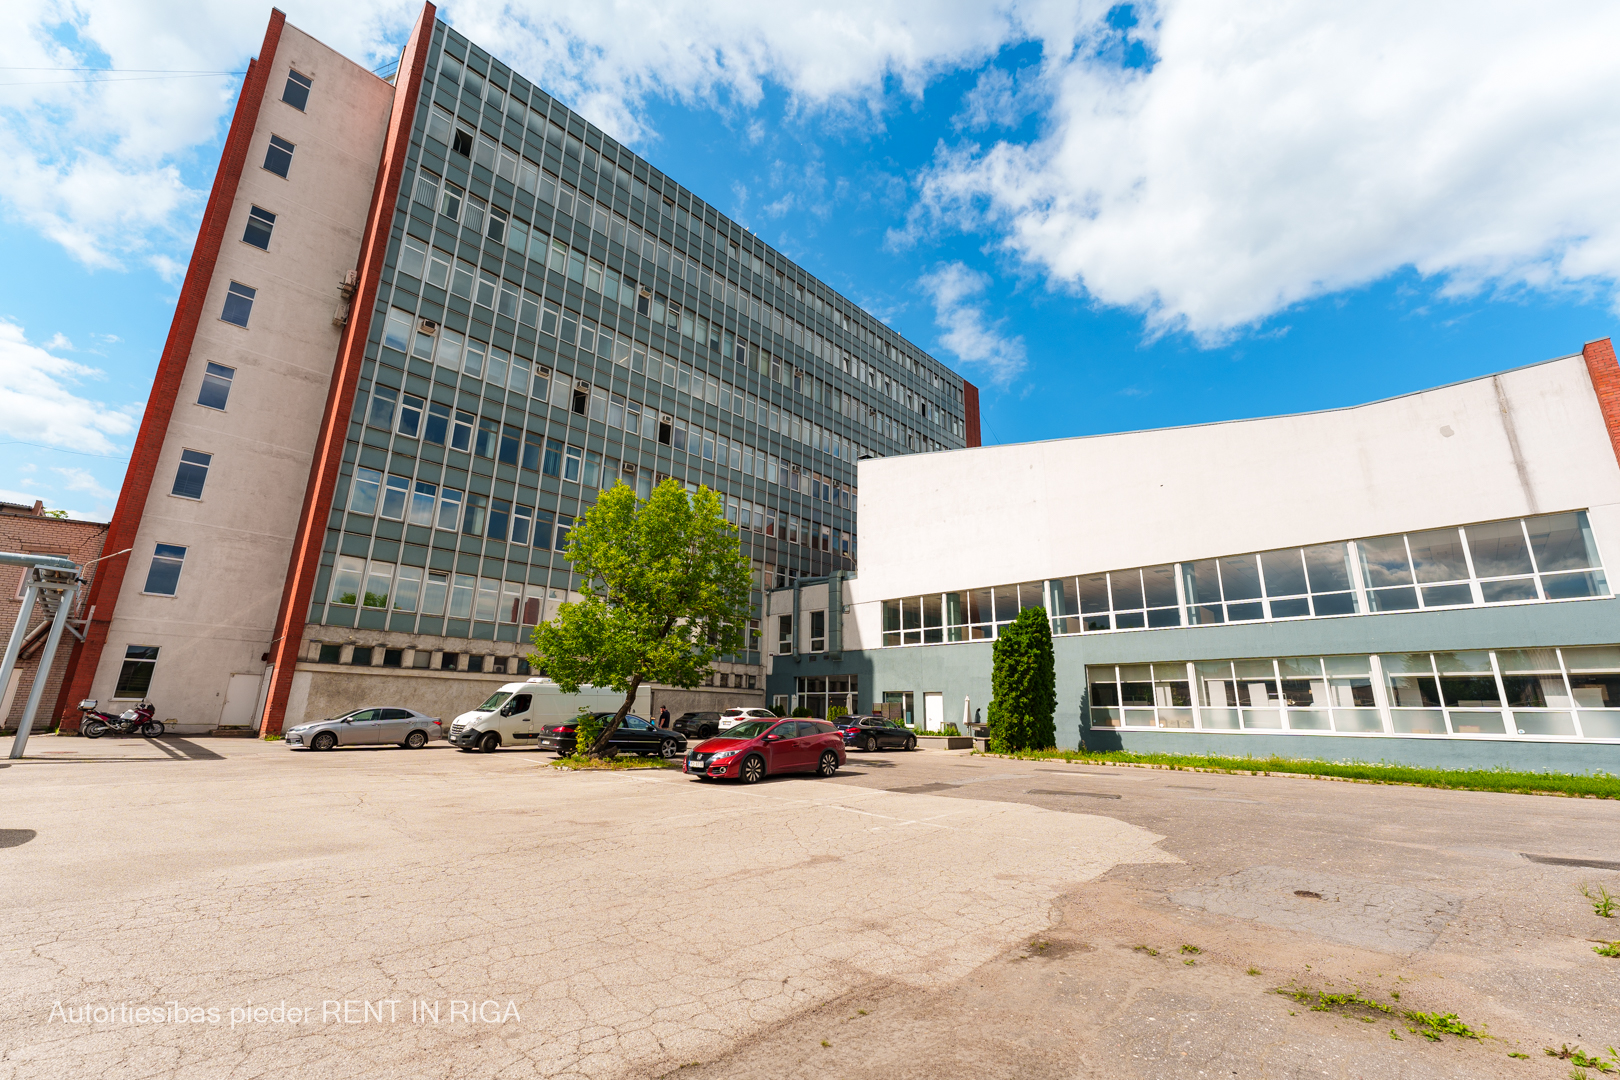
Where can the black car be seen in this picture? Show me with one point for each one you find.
(699, 725)
(876, 733)
(634, 736)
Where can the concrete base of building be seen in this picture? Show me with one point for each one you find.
(1449, 752)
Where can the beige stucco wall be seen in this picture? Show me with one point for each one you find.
(1528, 441)
(239, 535)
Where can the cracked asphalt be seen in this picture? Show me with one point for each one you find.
(436, 914)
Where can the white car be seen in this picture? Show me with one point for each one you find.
(732, 717)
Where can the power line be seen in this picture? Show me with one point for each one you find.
(60, 450)
(136, 78)
(133, 71)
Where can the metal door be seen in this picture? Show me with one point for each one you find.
(934, 711)
(241, 694)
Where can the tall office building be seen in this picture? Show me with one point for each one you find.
(427, 319)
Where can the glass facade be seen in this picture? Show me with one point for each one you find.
(1518, 560)
(1571, 693)
(557, 317)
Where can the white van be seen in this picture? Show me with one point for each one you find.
(514, 714)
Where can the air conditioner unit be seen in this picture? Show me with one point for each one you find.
(428, 326)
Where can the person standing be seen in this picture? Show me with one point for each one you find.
(663, 717)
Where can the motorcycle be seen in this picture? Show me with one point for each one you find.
(93, 723)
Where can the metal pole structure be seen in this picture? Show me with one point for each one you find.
(20, 631)
(64, 602)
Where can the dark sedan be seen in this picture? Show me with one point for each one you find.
(872, 733)
(634, 736)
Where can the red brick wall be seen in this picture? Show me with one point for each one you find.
(970, 412)
(39, 535)
(171, 370)
(1600, 363)
(323, 474)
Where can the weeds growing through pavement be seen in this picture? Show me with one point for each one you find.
(1607, 948)
(1356, 1004)
(1602, 903)
(1582, 1060)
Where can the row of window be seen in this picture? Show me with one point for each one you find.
(478, 360)
(441, 269)
(412, 589)
(1569, 693)
(506, 164)
(484, 288)
(1546, 557)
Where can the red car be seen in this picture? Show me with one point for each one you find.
(754, 749)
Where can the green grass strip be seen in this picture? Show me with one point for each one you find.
(1592, 786)
(616, 764)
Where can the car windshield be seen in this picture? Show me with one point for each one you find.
(749, 729)
(495, 701)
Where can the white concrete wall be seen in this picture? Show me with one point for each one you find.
(1023, 512)
(239, 536)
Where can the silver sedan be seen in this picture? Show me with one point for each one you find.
(371, 726)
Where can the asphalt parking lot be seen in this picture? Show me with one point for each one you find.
(437, 914)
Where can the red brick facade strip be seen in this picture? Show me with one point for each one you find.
(305, 561)
(171, 369)
(970, 412)
(1600, 364)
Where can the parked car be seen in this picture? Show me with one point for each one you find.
(754, 749)
(732, 717)
(514, 714)
(697, 725)
(370, 726)
(634, 736)
(871, 733)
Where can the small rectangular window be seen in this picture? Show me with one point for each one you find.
(164, 575)
(296, 92)
(135, 676)
(383, 399)
(278, 157)
(461, 432)
(410, 416)
(572, 458)
(192, 474)
(489, 431)
(473, 516)
(449, 509)
(422, 500)
(522, 519)
(395, 493)
(216, 386)
(363, 492)
(463, 143)
(565, 525)
(238, 304)
(438, 423)
(427, 189)
(259, 225)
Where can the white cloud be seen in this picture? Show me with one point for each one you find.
(39, 402)
(955, 290)
(1278, 152)
(81, 480)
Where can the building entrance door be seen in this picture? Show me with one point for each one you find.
(241, 694)
(934, 711)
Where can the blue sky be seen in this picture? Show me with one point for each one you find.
(1103, 220)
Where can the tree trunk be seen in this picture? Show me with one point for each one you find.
(599, 747)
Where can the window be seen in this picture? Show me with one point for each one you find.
(422, 500)
(379, 583)
(238, 304)
(818, 631)
(135, 676)
(565, 525)
(216, 386)
(784, 635)
(449, 509)
(259, 224)
(522, 520)
(192, 474)
(500, 517)
(346, 575)
(461, 596)
(397, 329)
(438, 423)
(164, 575)
(396, 490)
(489, 430)
(572, 459)
(542, 528)
(296, 92)
(278, 158)
(410, 416)
(381, 413)
(461, 432)
(473, 517)
(363, 493)
(427, 187)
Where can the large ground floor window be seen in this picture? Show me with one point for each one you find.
(819, 693)
(1571, 693)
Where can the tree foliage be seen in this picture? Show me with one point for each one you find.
(1023, 685)
(666, 591)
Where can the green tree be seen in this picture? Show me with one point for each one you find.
(666, 590)
(1023, 685)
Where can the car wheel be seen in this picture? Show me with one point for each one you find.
(324, 741)
(709, 732)
(490, 743)
(871, 744)
(911, 742)
(753, 770)
(829, 764)
(666, 749)
(416, 740)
